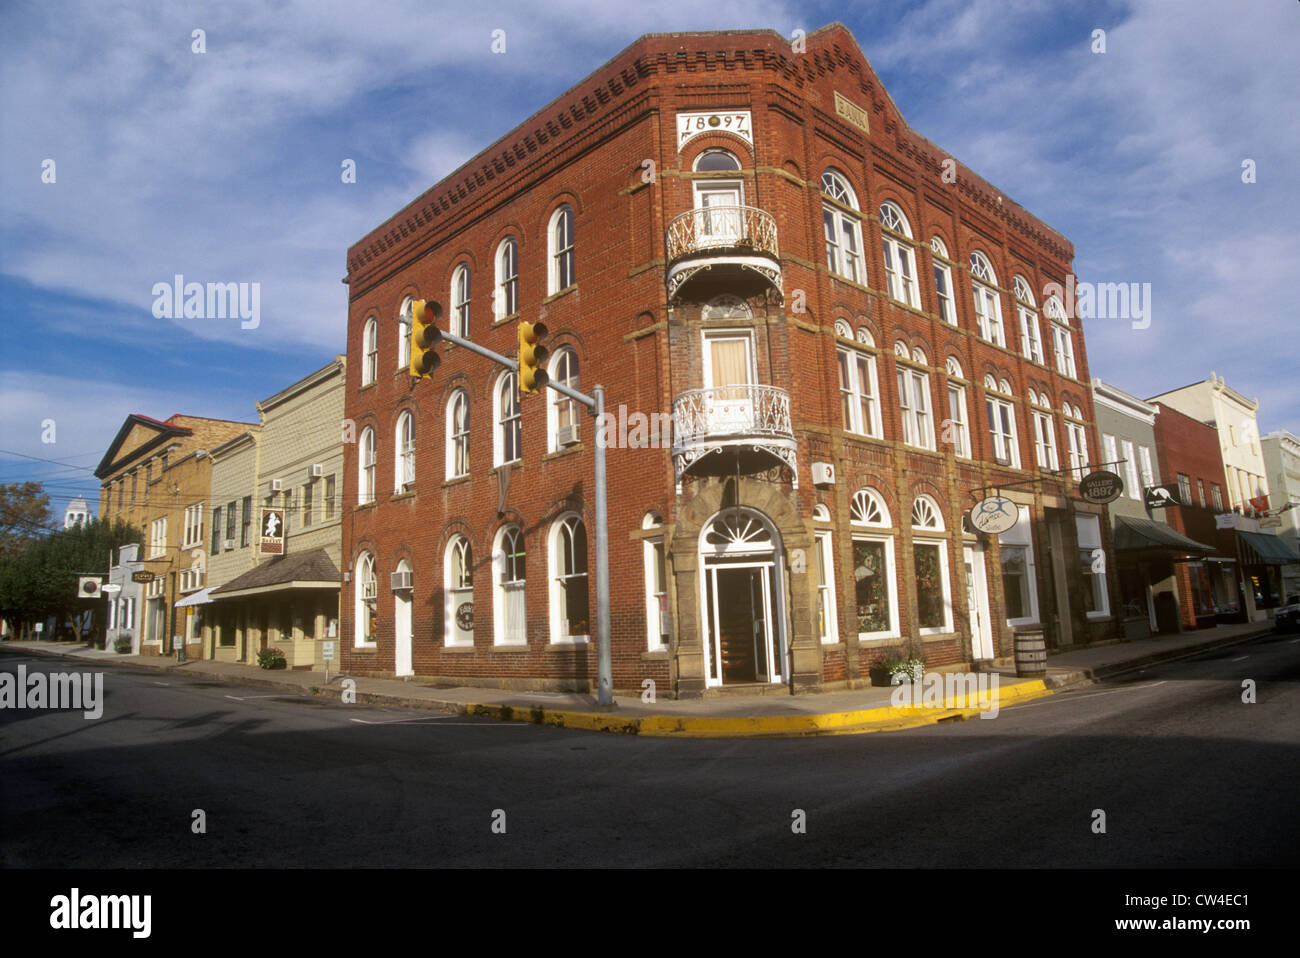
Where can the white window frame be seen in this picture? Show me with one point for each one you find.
(1021, 536)
(1076, 437)
(158, 538)
(655, 560)
(507, 416)
(1045, 440)
(899, 256)
(1088, 531)
(502, 587)
(457, 419)
(1010, 440)
(454, 589)
(931, 534)
(959, 415)
(943, 289)
(370, 348)
(558, 581)
(867, 510)
(828, 622)
(366, 455)
(988, 304)
(839, 226)
(1063, 347)
(365, 582)
(506, 301)
(558, 406)
(461, 296)
(849, 361)
(404, 453)
(1130, 469)
(194, 516)
(916, 410)
(1148, 473)
(560, 250)
(404, 334)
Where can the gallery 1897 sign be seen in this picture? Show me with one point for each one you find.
(1101, 486)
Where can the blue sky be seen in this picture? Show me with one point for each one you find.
(225, 166)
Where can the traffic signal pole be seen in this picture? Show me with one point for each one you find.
(596, 406)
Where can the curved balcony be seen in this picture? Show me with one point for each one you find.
(730, 429)
(724, 243)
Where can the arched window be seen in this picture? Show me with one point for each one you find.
(507, 287)
(875, 592)
(370, 346)
(569, 604)
(366, 467)
(458, 588)
(508, 434)
(562, 427)
(656, 584)
(843, 230)
(1062, 342)
(460, 301)
(843, 329)
(509, 622)
(366, 592)
(953, 367)
(1031, 344)
(458, 434)
(988, 305)
(930, 567)
(717, 161)
(404, 334)
(560, 249)
(943, 281)
(900, 258)
(404, 448)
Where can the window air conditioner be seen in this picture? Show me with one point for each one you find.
(567, 435)
(317, 470)
(277, 485)
(823, 474)
(228, 544)
(401, 581)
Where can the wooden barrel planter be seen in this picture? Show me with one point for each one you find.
(1031, 652)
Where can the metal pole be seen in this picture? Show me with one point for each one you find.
(604, 667)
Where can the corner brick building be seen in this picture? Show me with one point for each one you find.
(854, 336)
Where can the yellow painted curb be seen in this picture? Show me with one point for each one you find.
(856, 722)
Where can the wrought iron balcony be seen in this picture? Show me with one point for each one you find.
(738, 238)
(729, 428)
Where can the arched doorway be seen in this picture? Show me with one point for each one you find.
(743, 601)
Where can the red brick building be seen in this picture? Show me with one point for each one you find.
(850, 331)
(1189, 455)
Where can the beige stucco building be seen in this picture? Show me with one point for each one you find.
(291, 465)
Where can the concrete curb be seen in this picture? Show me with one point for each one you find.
(884, 718)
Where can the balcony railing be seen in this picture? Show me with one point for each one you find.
(743, 229)
(744, 420)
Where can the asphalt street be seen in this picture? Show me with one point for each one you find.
(1185, 772)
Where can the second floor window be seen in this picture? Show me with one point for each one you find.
(560, 243)
(366, 463)
(1045, 440)
(1031, 345)
(858, 392)
(1002, 431)
(404, 467)
(370, 345)
(509, 436)
(843, 230)
(562, 412)
(900, 258)
(988, 305)
(1076, 439)
(458, 435)
(914, 402)
(507, 298)
(158, 537)
(460, 301)
(943, 281)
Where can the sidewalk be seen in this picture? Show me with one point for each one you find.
(734, 716)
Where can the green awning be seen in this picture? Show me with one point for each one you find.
(1132, 535)
(1260, 549)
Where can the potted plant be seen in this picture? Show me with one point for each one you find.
(122, 644)
(909, 663)
(271, 659)
(882, 667)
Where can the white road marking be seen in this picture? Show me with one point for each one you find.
(1076, 697)
(1240, 658)
(242, 698)
(162, 683)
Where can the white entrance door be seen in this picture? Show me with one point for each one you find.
(403, 663)
(977, 603)
(743, 639)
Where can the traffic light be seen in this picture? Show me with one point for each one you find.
(532, 357)
(425, 337)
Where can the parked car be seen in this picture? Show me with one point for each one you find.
(1287, 617)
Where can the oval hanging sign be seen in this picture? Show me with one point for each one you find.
(994, 515)
(1101, 486)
